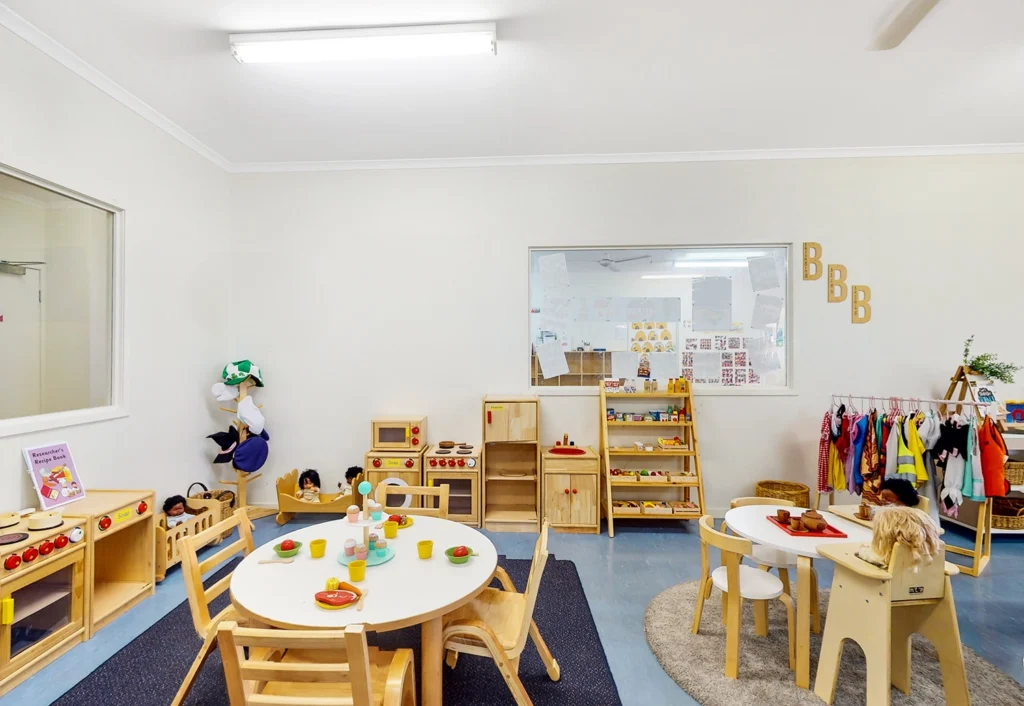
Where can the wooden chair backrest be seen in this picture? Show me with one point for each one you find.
(733, 549)
(199, 598)
(241, 672)
(926, 582)
(743, 502)
(540, 560)
(440, 492)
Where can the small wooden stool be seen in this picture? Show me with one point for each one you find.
(880, 609)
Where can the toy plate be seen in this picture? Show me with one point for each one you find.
(371, 560)
(401, 525)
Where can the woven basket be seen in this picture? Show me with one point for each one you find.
(226, 498)
(1009, 522)
(1014, 471)
(798, 493)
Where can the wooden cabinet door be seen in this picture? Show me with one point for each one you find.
(583, 505)
(557, 498)
(510, 421)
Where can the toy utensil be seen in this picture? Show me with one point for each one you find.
(359, 603)
(276, 561)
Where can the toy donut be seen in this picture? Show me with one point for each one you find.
(335, 600)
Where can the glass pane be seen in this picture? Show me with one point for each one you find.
(461, 505)
(40, 609)
(56, 275)
(391, 435)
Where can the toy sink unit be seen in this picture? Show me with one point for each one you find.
(568, 451)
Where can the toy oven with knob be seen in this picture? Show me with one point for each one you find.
(458, 468)
(394, 468)
(42, 596)
(399, 434)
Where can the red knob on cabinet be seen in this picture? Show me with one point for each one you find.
(376, 463)
(462, 462)
(573, 491)
(566, 491)
(415, 441)
(46, 547)
(433, 462)
(451, 462)
(30, 554)
(408, 463)
(142, 508)
(415, 430)
(12, 562)
(105, 523)
(61, 541)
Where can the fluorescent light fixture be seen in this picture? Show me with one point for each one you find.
(669, 276)
(365, 43)
(712, 263)
(723, 254)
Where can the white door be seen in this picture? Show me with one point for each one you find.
(20, 345)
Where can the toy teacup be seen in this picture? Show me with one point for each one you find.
(783, 516)
(796, 524)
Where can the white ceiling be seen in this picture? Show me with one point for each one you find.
(571, 77)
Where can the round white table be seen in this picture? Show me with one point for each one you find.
(751, 522)
(402, 592)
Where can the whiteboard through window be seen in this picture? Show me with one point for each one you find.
(716, 316)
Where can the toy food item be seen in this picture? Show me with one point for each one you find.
(333, 600)
(395, 518)
(382, 548)
(287, 545)
(459, 554)
(332, 584)
(350, 547)
(361, 552)
(353, 513)
(460, 551)
(374, 538)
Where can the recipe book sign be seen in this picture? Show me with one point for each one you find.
(54, 475)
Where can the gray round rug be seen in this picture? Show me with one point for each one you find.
(697, 662)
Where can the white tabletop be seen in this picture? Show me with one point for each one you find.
(751, 522)
(404, 591)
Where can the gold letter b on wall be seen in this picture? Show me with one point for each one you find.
(812, 260)
(837, 288)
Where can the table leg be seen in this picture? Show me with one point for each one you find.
(803, 622)
(432, 655)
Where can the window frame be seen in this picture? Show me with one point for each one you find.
(789, 390)
(118, 406)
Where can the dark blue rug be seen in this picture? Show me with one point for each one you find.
(149, 670)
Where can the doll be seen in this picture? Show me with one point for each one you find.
(309, 486)
(174, 510)
(350, 475)
(897, 491)
(901, 525)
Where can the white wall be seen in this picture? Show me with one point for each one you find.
(406, 291)
(181, 306)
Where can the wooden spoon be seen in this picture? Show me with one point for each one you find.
(276, 561)
(359, 603)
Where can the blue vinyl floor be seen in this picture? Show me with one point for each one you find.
(620, 577)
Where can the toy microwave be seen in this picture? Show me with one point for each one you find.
(399, 433)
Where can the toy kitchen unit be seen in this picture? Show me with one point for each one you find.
(396, 455)
(42, 592)
(456, 465)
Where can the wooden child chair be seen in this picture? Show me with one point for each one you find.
(880, 609)
(736, 582)
(323, 667)
(497, 622)
(768, 559)
(199, 598)
(428, 510)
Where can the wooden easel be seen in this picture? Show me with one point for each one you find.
(242, 479)
(982, 551)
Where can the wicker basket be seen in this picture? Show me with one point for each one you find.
(1009, 522)
(226, 498)
(1014, 471)
(798, 493)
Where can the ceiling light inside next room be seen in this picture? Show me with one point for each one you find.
(712, 263)
(365, 43)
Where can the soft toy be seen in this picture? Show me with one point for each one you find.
(901, 525)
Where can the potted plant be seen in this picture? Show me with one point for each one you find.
(987, 366)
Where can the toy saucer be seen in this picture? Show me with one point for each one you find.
(371, 559)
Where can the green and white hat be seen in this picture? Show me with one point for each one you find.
(236, 372)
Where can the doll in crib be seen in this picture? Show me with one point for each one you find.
(309, 486)
(350, 475)
(174, 511)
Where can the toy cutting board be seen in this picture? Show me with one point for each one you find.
(829, 532)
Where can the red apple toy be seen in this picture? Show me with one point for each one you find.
(395, 518)
(460, 551)
(287, 545)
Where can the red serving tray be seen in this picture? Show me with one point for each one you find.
(829, 531)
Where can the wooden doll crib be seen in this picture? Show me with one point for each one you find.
(334, 503)
(203, 514)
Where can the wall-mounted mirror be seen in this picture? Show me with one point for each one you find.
(56, 301)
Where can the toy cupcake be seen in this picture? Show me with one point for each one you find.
(375, 510)
(373, 540)
(350, 547)
(361, 552)
(382, 548)
(353, 513)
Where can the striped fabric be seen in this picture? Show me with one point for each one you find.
(823, 444)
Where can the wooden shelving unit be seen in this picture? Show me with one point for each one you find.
(586, 369)
(511, 464)
(685, 460)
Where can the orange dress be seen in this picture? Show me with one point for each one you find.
(993, 459)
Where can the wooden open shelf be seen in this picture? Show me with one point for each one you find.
(108, 597)
(649, 424)
(691, 482)
(619, 451)
(645, 395)
(511, 445)
(502, 479)
(511, 513)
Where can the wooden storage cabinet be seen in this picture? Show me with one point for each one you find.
(463, 494)
(511, 464)
(510, 420)
(571, 491)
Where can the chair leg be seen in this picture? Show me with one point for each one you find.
(828, 664)
(554, 673)
(940, 627)
(790, 627)
(705, 588)
(197, 664)
(515, 686)
(899, 646)
(879, 684)
(734, 610)
(815, 618)
(784, 575)
(725, 608)
(761, 618)
(451, 659)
